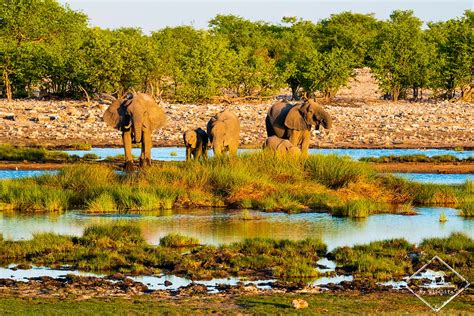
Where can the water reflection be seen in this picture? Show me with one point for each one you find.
(223, 226)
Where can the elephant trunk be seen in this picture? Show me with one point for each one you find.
(137, 127)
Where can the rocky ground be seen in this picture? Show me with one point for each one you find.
(361, 120)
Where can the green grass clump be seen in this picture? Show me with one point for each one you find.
(102, 204)
(467, 210)
(115, 235)
(11, 153)
(177, 241)
(392, 259)
(90, 157)
(442, 218)
(81, 146)
(173, 154)
(359, 209)
(457, 250)
(412, 158)
(381, 259)
(334, 171)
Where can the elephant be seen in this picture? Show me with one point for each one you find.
(136, 115)
(195, 142)
(223, 130)
(281, 146)
(294, 122)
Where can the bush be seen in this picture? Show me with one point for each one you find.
(177, 241)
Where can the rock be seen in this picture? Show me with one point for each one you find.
(299, 303)
(168, 283)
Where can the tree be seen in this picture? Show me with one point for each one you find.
(455, 50)
(352, 32)
(27, 27)
(394, 53)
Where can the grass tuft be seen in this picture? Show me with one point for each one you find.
(177, 241)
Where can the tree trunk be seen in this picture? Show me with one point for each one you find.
(395, 94)
(8, 87)
(415, 93)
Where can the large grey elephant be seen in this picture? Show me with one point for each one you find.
(136, 115)
(195, 142)
(281, 146)
(294, 122)
(223, 131)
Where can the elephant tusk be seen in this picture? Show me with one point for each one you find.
(128, 126)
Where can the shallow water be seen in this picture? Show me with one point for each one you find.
(179, 153)
(14, 174)
(155, 282)
(454, 178)
(223, 226)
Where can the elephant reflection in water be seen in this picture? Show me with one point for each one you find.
(136, 115)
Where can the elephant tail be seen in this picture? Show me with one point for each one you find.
(269, 127)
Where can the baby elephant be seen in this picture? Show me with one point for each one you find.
(196, 144)
(281, 146)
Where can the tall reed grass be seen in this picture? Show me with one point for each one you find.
(260, 181)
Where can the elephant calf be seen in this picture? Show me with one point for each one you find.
(224, 132)
(281, 146)
(195, 142)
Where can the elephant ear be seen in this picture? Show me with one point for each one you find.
(295, 120)
(112, 115)
(156, 115)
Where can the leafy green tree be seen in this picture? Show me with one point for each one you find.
(394, 53)
(455, 50)
(352, 32)
(27, 28)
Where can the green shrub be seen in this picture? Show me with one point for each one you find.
(176, 241)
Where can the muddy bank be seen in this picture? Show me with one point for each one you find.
(87, 287)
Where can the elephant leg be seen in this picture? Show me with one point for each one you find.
(233, 150)
(145, 157)
(204, 152)
(127, 144)
(217, 150)
(198, 152)
(305, 144)
(188, 153)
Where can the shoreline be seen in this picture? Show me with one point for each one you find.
(399, 167)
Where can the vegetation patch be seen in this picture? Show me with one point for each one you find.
(416, 158)
(258, 181)
(122, 248)
(397, 258)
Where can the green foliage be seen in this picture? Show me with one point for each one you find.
(11, 153)
(47, 48)
(259, 181)
(336, 172)
(359, 209)
(414, 158)
(176, 241)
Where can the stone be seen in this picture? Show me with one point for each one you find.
(299, 303)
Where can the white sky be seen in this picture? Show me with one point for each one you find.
(153, 15)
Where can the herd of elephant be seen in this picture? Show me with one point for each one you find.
(288, 127)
